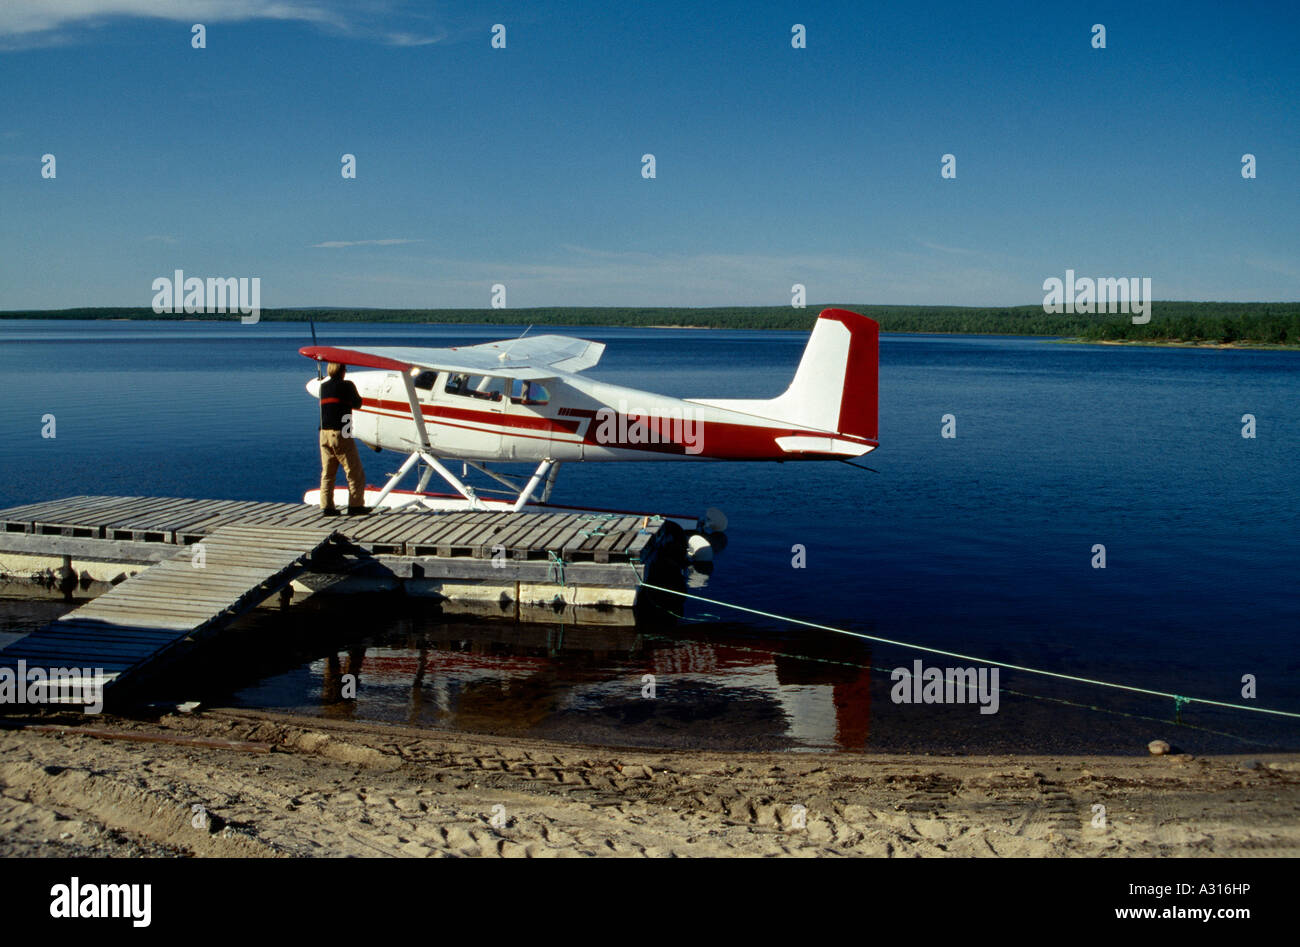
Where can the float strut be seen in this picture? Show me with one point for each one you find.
(533, 481)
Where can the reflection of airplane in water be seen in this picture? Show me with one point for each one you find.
(723, 687)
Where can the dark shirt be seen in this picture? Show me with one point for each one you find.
(337, 398)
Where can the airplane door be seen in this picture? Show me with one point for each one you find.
(394, 407)
(562, 426)
(531, 428)
(396, 418)
(468, 416)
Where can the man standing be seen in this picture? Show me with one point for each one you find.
(338, 399)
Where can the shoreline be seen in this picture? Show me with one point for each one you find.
(580, 326)
(1176, 344)
(272, 784)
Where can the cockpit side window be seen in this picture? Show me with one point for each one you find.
(476, 386)
(528, 392)
(425, 379)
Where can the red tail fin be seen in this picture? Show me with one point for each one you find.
(860, 397)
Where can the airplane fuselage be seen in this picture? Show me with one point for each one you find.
(493, 420)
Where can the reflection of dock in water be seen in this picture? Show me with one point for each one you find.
(587, 684)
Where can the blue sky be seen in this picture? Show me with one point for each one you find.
(522, 166)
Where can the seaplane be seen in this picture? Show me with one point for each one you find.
(525, 400)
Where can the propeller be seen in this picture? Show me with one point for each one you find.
(320, 372)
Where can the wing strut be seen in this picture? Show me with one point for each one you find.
(425, 453)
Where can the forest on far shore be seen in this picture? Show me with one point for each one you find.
(1241, 323)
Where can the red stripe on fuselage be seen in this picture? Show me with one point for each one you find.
(721, 440)
(438, 411)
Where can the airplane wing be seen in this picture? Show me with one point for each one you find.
(531, 358)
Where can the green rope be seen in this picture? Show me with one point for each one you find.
(554, 649)
(1001, 690)
(556, 570)
(706, 616)
(598, 530)
(1178, 700)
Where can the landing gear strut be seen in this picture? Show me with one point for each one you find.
(546, 470)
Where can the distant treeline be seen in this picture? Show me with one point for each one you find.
(1261, 323)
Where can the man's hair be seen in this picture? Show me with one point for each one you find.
(336, 370)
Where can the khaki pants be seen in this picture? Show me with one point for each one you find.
(335, 449)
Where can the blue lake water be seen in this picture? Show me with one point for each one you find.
(979, 544)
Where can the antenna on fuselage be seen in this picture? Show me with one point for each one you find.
(504, 355)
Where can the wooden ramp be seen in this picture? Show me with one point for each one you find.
(194, 593)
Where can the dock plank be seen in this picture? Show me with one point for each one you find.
(554, 538)
(440, 525)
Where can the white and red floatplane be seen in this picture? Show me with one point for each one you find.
(524, 401)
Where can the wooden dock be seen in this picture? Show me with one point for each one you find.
(134, 559)
(564, 566)
(96, 525)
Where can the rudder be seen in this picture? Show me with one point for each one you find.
(836, 386)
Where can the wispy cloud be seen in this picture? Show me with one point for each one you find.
(960, 251)
(386, 242)
(1279, 265)
(596, 277)
(25, 24)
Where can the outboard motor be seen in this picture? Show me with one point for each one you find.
(708, 537)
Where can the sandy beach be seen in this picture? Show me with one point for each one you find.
(252, 784)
